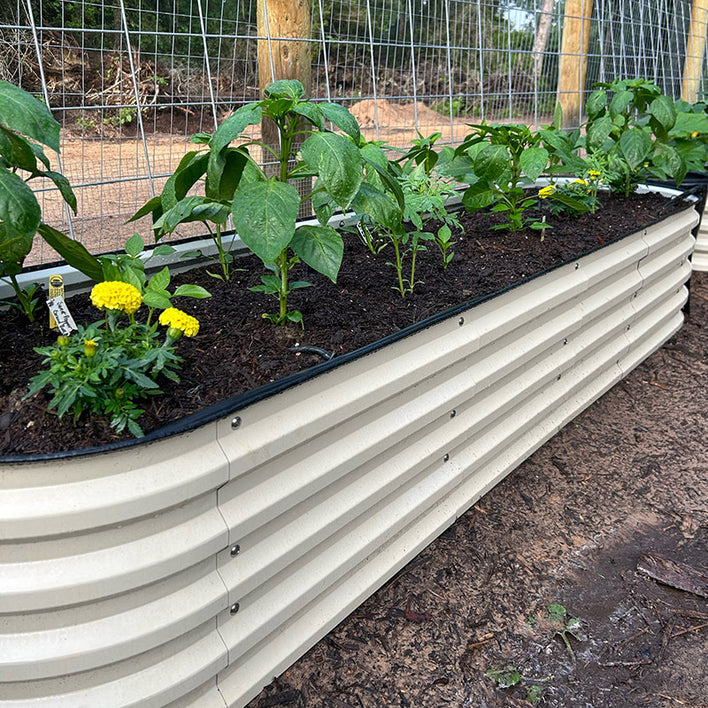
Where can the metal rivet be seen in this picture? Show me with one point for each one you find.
(461, 321)
(235, 608)
(565, 341)
(235, 422)
(446, 457)
(453, 413)
(628, 326)
(577, 265)
(235, 549)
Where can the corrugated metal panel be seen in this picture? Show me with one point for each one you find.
(107, 564)
(343, 497)
(118, 569)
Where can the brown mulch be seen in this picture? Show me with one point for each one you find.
(361, 308)
(570, 526)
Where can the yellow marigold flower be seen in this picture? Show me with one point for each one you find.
(546, 191)
(90, 347)
(114, 295)
(580, 181)
(176, 319)
(695, 134)
(594, 173)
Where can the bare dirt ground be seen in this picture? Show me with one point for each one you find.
(568, 528)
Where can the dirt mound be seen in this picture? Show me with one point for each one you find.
(371, 112)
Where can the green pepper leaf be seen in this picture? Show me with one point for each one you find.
(23, 113)
(492, 163)
(664, 112)
(264, 216)
(18, 205)
(379, 207)
(17, 150)
(338, 163)
(620, 102)
(635, 144)
(191, 167)
(533, 162)
(224, 173)
(596, 104)
(14, 248)
(62, 184)
(598, 131)
(74, 253)
(312, 112)
(285, 88)
(342, 118)
(321, 247)
(234, 125)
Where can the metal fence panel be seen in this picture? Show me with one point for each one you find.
(131, 80)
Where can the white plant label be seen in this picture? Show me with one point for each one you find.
(61, 313)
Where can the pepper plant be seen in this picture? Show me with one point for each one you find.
(635, 131)
(496, 160)
(265, 208)
(26, 125)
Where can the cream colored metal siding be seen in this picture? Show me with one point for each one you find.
(119, 586)
(108, 580)
(323, 519)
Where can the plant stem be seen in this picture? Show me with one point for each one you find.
(399, 266)
(24, 299)
(283, 295)
(222, 253)
(415, 253)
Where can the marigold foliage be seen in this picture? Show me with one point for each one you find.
(115, 295)
(172, 317)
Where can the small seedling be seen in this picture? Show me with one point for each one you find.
(557, 614)
(534, 694)
(505, 675)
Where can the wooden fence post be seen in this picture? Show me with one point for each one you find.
(284, 53)
(283, 47)
(695, 51)
(574, 59)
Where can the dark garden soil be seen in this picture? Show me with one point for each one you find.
(236, 351)
(569, 526)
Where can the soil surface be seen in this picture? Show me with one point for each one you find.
(568, 527)
(362, 307)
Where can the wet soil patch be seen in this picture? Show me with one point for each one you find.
(237, 351)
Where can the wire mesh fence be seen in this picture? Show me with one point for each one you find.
(131, 80)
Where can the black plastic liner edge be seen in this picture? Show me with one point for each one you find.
(237, 403)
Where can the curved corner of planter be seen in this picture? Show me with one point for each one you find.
(190, 571)
(700, 254)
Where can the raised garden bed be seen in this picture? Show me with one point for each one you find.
(158, 570)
